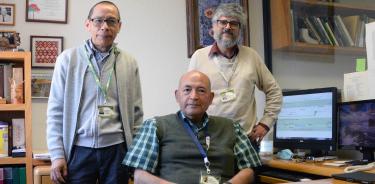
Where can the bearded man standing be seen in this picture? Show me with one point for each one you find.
(234, 71)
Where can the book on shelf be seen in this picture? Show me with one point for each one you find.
(18, 134)
(22, 175)
(6, 79)
(313, 32)
(323, 31)
(353, 25)
(3, 139)
(1, 176)
(344, 31)
(10, 139)
(332, 37)
(8, 175)
(16, 175)
(1, 81)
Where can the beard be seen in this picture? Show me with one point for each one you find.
(227, 43)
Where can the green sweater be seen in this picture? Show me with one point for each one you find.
(180, 160)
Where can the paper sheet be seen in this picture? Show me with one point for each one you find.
(370, 48)
(357, 86)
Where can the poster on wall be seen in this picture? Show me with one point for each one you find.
(40, 85)
(53, 11)
(44, 50)
(199, 26)
(7, 14)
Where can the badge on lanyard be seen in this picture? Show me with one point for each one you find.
(105, 111)
(227, 95)
(208, 179)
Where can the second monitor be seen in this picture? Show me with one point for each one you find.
(357, 127)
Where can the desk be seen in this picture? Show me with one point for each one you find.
(323, 181)
(315, 168)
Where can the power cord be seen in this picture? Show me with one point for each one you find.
(356, 168)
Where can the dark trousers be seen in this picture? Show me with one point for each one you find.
(255, 145)
(102, 165)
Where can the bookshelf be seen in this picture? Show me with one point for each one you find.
(289, 17)
(11, 111)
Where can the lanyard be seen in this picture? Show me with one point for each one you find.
(234, 67)
(96, 76)
(198, 144)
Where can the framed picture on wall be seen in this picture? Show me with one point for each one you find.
(7, 14)
(55, 11)
(199, 27)
(40, 85)
(44, 50)
(9, 40)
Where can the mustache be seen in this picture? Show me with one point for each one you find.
(228, 31)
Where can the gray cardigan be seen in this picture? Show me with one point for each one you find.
(65, 96)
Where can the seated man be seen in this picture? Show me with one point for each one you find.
(190, 146)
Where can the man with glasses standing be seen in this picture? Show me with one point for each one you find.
(94, 106)
(234, 71)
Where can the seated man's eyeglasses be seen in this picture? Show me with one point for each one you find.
(98, 22)
(232, 24)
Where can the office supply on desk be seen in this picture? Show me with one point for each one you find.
(356, 168)
(285, 154)
(334, 164)
(361, 177)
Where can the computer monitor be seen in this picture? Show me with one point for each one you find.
(356, 124)
(308, 121)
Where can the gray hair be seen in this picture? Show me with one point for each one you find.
(103, 2)
(233, 10)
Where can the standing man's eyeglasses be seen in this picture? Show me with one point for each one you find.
(232, 24)
(98, 22)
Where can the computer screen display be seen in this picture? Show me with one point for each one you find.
(307, 120)
(356, 124)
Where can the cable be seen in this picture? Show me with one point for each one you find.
(356, 168)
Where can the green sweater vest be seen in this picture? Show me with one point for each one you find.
(180, 160)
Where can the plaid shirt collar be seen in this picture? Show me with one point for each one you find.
(193, 125)
(99, 56)
(216, 51)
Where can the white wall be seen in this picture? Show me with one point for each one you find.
(154, 32)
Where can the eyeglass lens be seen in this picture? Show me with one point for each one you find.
(110, 22)
(226, 22)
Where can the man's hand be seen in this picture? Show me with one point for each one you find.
(258, 133)
(59, 171)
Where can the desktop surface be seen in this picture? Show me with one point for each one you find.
(310, 167)
(316, 168)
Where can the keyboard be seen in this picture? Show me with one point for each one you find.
(285, 175)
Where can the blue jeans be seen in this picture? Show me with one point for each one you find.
(102, 165)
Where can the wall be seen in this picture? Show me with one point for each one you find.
(154, 32)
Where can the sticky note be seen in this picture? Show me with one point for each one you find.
(360, 65)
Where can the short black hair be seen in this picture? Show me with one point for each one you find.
(103, 2)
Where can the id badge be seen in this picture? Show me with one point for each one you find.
(209, 179)
(227, 95)
(105, 111)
